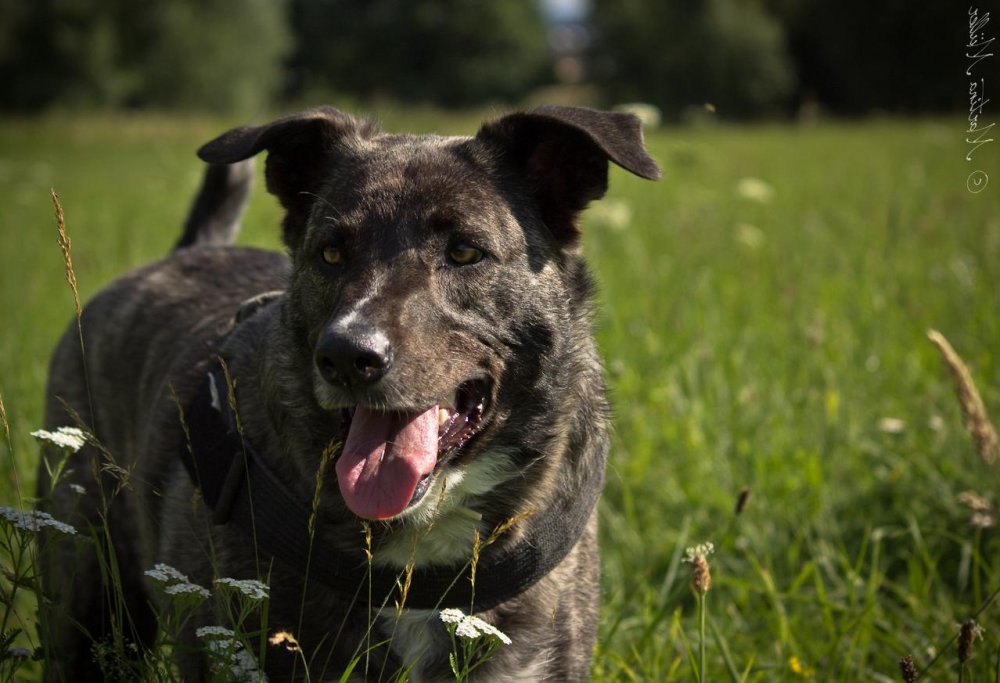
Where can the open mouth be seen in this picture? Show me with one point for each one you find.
(390, 457)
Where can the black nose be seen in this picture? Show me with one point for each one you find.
(356, 357)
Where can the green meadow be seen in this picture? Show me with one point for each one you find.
(763, 316)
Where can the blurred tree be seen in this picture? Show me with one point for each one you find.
(216, 54)
(855, 56)
(730, 53)
(452, 52)
(212, 54)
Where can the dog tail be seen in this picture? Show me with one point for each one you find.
(215, 215)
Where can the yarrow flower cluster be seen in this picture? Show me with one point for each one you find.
(187, 589)
(68, 438)
(33, 520)
(228, 651)
(253, 589)
(472, 627)
(178, 583)
(165, 574)
(214, 632)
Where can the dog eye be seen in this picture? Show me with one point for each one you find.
(331, 255)
(464, 255)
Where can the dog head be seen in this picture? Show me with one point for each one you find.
(437, 289)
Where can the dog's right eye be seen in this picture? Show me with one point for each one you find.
(331, 255)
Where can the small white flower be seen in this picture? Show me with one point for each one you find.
(467, 629)
(76, 488)
(33, 520)
(244, 667)
(755, 190)
(69, 438)
(700, 550)
(222, 645)
(253, 589)
(891, 425)
(214, 632)
(452, 615)
(472, 627)
(186, 589)
(165, 574)
(750, 236)
(487, 629)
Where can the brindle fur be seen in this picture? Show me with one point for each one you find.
(393, 204)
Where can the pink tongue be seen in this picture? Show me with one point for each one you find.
(385, 456)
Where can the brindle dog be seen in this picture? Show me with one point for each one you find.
(428, 336)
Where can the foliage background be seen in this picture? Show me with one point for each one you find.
(750, 58)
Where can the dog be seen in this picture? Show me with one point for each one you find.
(426, 342)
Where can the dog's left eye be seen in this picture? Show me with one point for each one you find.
(464, 254)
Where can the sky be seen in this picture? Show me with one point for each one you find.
(565, 10)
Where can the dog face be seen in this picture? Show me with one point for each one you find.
(436, 291)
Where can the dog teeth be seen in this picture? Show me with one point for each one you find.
(443, 416)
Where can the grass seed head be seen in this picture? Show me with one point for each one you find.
(742, 500)
(907, 669)
(977, 422)
(286, 640)
(65, 246)
(3, 419)
(967, 636)
(701, 575)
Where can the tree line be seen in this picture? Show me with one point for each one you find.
(746, 57)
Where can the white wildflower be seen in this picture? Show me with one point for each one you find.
(891, 425)
(228, 652)
(214, 632)
(69, 438)
(755, 190)
(488, 629)
(222, 646)
(472, 627)
(244, 667)
(700, 550)
(186, 589)
(750, 236)
(452, 615)
(76, 488)
(33, 520)
(253, 589)
(613, 214)
(165, 574)
(648, 114)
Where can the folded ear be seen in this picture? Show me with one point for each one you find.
(300, 148)
(563, 153)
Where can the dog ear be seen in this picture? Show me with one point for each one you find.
(563, 152)
(299, 148)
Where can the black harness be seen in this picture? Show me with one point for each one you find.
(240, 489)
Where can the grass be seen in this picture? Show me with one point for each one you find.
(764, 337)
